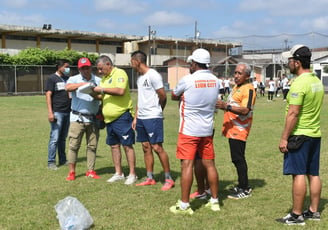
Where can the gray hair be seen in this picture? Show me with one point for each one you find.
(248, 69)
(104, 59)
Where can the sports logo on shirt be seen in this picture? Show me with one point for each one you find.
(145, 84)
(120, 79)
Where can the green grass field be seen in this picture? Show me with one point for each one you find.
(29, 191)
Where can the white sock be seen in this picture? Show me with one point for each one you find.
(184, 205)
(214, 200)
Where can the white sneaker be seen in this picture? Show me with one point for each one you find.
(116, 177)
(130, 179)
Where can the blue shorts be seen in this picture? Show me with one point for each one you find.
(150, 130)
(120, 131)
(305, 160)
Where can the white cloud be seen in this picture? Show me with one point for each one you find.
(125, 6)
(15, 3)
(165, 18)
(284, 8)
(316, 24)
(17, 19)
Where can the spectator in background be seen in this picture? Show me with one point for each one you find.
(272, 87)
(226, 84)
(285, 86)
(59, 107)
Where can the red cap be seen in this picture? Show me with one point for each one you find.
(83, 62)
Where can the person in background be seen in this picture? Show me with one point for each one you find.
(82, 118)
(148, 121)
(255, 84)
(59, 107)
(226, 84)
(272, 87)
(118, 113)
(237, 122)
(197, 139)
(279, 87)
(285, 86)
(303, 109)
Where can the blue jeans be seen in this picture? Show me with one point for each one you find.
(58, 134)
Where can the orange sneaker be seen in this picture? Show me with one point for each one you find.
(168, 185)
(196, 195)
(71, 176)
(148, 181)
(92, 174)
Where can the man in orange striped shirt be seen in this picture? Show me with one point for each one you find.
(237, 122)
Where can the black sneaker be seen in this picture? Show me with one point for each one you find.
(308, 215)
(290, 219)
(234, 189)
(240, 193)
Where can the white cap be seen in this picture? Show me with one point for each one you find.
(297, 51)
(200, 56)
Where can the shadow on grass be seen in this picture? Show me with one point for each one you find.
(224, 186)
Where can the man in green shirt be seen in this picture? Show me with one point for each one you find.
(302, 120)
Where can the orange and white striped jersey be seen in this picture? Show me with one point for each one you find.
(238, 126)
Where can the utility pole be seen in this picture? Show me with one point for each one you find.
(149, 46)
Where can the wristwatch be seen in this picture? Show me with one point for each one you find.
(228, 108)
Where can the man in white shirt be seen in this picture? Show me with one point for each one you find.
(198, 93)
(149, 118)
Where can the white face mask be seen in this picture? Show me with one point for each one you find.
(67, 71)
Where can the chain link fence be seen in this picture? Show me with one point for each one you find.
(20, 80)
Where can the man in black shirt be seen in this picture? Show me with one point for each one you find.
(59, 107)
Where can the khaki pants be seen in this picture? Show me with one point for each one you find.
(76, 132)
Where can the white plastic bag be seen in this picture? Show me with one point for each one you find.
(72, 215)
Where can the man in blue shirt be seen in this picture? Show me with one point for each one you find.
(84, 108)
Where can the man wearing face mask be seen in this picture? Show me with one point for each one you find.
(59, 107)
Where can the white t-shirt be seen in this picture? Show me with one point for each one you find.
(226, 83)
(199, 93)
(221, 83)
(148, 101)
(285, 83)
(255, 84)
(272, 86)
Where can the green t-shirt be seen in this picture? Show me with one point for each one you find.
(115, 106)
(307, 90)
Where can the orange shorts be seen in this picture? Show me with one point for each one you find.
(188, 146)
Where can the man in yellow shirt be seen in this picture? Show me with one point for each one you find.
(118, 113)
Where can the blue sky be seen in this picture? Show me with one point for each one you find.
(258, 24)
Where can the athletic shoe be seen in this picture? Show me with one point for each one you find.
(92, 174)
(71, 176)
(213, 206)
(208, 192)
(176, 209)
(234, 189)
(148, 181)
(116, 177)
(196, 195)
(308, 215)
(240, 194)
(52, 166)
(130, 179)
(291, 220)
(168, 185)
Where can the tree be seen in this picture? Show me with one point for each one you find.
(37, 56)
